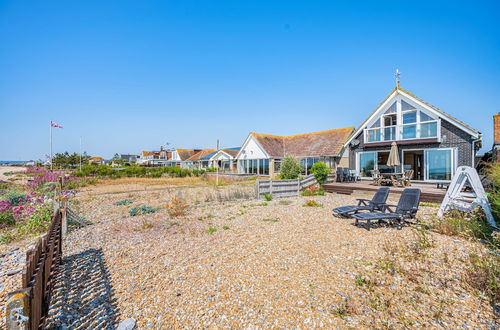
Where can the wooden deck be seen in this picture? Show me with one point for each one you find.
(429, 191)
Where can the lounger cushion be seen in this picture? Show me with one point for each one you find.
(375, 216)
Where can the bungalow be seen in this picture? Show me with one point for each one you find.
(180, 156)
(195, 161)
(225, 159)
(154, 158)
(261, 154)
(430, 142)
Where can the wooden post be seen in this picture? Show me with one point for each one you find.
(17, 310)
(64, 217)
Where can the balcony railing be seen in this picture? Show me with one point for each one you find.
(424, 130)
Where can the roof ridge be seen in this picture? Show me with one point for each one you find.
(303, 134)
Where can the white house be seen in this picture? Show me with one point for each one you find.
(261, 154)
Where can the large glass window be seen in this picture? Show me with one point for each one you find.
(390, 133)
(367, 163)
(410, 117)
(438, 164)
(373, 135)
(428, 130)
(409, 131)
(277, 165)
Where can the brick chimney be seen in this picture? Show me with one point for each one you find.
(496, 129)
(496, 137)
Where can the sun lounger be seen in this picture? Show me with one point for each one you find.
(376, 203)
(406, 209)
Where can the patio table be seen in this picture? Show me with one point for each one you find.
(393, 178)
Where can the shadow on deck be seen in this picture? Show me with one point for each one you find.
(429, 192)
(83, 297)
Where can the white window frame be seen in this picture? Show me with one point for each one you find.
(454, 161)
(398, 134)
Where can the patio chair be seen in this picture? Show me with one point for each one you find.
(376, 203)
(346, 174)
(406, 209)
(377, 178)
(407, 178)
(339, 174)
(354, 175)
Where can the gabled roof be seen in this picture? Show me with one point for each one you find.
(199, 155)
(231, 152)
(398, 90)
(315, 144)
(184, 154)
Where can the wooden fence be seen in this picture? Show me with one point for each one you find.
(42, 262)
(283, 188)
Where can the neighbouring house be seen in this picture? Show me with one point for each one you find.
(155, 158)
(195, 161)
(97, 160)
(129, 158)
(180, 156)
(262, 154)
(496, 138)
(430, 142)
(225, 159)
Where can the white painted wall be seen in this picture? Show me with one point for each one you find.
(252, 150)
(221, 156)
(175, 156)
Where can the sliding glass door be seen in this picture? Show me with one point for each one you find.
(439, 164)
(366, 163)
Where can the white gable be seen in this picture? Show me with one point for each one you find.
(251, 149)
(400, 103)
(221, 155)
(175, 155)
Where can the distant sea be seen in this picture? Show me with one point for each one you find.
(4, 162)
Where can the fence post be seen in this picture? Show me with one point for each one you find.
(271, 186)
(257, 184)
(298, 187)
(64, 217)
(17, 310)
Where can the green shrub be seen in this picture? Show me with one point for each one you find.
(313, 191)
(38, 221)
(123, 202)
(15, 197)
(268, 197)
(6, 218)
(211, 229)
(483, 274)
(320, 171)
(139, 210)
(290, 168)
(312, 203)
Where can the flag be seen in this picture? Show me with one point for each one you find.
(55, 124)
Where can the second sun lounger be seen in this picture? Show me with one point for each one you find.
(376, 203)
(406, 209)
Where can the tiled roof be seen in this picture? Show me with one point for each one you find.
(231, 151)
(315, 144)
(199, 155)
(184, 154)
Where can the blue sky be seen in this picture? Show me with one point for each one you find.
(133, 75)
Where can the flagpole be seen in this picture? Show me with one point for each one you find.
(80, 153)
(217, 162)
(51, 145)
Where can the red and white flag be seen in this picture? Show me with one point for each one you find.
(53, 124)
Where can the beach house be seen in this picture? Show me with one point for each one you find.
(430, 142)
(262, 154)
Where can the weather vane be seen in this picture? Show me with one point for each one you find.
(397, 75)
